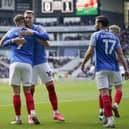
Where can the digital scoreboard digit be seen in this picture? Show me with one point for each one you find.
(67, 6)
(47, 6)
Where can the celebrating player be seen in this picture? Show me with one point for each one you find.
(21, 68)
(105, 45)
(118, 95)
(41, 67)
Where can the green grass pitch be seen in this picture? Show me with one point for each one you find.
(78, 103)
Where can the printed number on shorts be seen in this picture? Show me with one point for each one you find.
(49, 73)
(109, 45)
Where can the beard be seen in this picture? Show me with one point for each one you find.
(97, 29)
(27, 25)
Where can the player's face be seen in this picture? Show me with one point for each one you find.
(97, 24)
(29, 19)
(116, 32)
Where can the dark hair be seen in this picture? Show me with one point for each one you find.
(29, 12)
(18, 19)
(103, 20)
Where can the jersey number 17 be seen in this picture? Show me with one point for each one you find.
(109, 45)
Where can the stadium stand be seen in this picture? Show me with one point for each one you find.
(70, 66)
(68, 32)
(124, 38)
(4, 66)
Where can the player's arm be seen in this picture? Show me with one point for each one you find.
(17, 40)
(123, 61)
(36, 34)
(6, 36)
(44, 42)
(89, 53)
(3, 39)
(42, 35)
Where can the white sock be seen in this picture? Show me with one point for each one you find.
(101, 110)
(18, 117)
(116, 105)
(110, 119)
(55, 111)
(29, 116)
(32, 112)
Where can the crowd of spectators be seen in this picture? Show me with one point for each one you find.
(124, 39)
(4, 21)
(4, 69)
(5, 59)
(4, 64)
(58, 62)
(77, 37)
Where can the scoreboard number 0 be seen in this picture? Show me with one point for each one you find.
(47, 6)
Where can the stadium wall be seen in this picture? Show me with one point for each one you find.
(115, 18)
(114, 10)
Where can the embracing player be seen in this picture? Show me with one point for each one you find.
(21, 68)
(40, 65)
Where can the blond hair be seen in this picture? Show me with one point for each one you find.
(114, 29)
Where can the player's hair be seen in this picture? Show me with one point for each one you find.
(19, 19)
(29, 12)
(114, 29)
(103, 20)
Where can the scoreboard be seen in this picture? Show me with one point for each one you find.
(51, 6)
(69, 7)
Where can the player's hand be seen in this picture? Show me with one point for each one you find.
(19, 40)
(126, 75)
(43, 42)
(83, 67)
(27, 32)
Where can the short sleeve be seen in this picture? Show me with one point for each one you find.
(8, 33)
(93, 39)
(118, 43)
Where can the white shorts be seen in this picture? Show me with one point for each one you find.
(20, 73)
(105, 79)
(43, 71)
